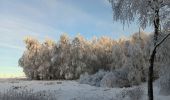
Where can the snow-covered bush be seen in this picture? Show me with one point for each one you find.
(102, 78)
(116, 78)
(136, 93)
(94, 79)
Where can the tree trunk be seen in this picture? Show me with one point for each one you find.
(152, 57)
(150, 75)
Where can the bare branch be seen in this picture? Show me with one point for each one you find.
(162, 40)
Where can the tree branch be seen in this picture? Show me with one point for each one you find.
(162, 40)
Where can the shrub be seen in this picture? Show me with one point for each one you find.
(102, 78)
(93, 80)
(116, 78)
(136, 93)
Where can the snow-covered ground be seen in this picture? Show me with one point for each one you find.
(72, 90)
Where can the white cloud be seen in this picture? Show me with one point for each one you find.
(13, 31)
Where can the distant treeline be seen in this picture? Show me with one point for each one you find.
(69, 58)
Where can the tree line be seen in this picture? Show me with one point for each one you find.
(69, 58)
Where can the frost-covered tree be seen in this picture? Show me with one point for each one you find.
(137, 65)
(45, 67)
(104, 50)
(77, 56)
(62, 57)
(36, 59)
(30, 60)
(147, 12)
(118, 55)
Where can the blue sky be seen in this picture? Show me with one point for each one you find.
(49, 19)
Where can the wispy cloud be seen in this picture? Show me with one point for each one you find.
(10, 46)
(13, 30)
